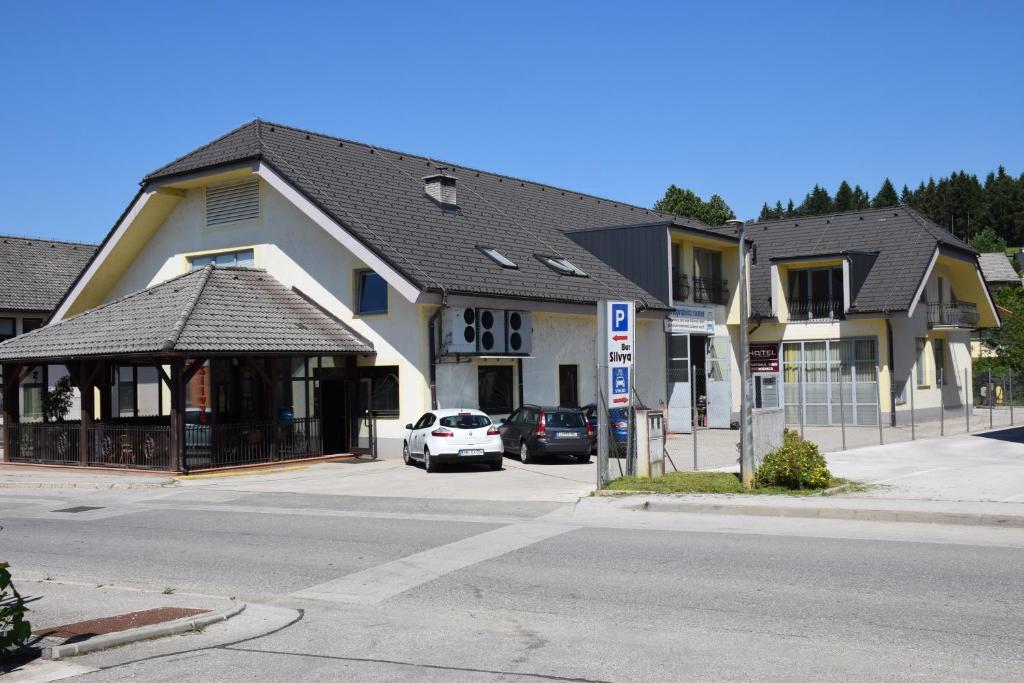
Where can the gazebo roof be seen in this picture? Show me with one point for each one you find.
(209, 311)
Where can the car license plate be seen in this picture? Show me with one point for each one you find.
(471, 451)
(565, 435)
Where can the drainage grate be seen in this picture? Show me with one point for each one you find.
(79, 508)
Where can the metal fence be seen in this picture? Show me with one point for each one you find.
(844, 409)
(229, 445)
(106, 445)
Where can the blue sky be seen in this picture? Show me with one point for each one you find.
(754, 102)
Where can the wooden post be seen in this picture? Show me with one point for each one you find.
(273, 372)
(104, 383)
(12, 373)
(86, 384)
(177, 461)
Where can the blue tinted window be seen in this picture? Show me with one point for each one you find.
(235, 259)
(371, 293)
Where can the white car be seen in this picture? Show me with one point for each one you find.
(453, 435)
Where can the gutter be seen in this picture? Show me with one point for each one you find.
(432, 352)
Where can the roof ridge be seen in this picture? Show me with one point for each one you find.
(179, 326)
(826, 215)
(454, 166)
(201, 148)
(26, 238)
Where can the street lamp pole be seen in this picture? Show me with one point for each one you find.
(746, 419)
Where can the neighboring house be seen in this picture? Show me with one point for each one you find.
(999, 273)
(882, 288)
(462, 287)
(34, 276)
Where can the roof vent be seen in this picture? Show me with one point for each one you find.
(232, 202)
(441, 187)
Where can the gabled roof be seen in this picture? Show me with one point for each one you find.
(903, 239)
(378, 195)
(213, 310)
(35, 273)
(997, 268)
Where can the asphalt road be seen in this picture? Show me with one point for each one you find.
(408, 589)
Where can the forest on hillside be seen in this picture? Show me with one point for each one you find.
(989, 213)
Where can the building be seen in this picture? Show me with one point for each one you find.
(398, 283)
(34, 275)
(882, 300)
(998, 271)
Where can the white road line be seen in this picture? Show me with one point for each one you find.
(912, 474)
(1019, 496)
(377, 584)
(320, 512)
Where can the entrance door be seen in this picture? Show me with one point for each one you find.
(569, 386)
(680, 419)
(719, 383)
(334, 416)
(362, 419)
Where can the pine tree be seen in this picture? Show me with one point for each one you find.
(886, 196)
(861, 199)
(790, 211)
(845, 200)
(817, 202)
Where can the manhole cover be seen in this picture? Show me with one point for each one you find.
(80, 508)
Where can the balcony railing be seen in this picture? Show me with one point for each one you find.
(959, 314)
(680, 287)
(816, 310)
(710, 291)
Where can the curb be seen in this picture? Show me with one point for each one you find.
(86, 485)
(864, 515)
(134, 635)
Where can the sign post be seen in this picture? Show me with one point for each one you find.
(616, 363)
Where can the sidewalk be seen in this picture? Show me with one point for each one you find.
(26, 477)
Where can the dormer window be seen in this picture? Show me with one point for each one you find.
(562, 266)
(816, 293)
(498, 257)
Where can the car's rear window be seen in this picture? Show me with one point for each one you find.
(465, 421)
(564, 420)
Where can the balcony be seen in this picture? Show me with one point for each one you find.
(958, 315)
(680, 287)
(710, 291)
(825, 310)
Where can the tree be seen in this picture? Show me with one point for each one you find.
(1008, 340)
(817, 202)
(861, 199)
(988, 241)
(57, 403)
(886, 196)
(682, 202)
(845, 201)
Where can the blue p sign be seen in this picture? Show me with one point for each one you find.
(620, 318)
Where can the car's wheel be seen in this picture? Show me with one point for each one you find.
(429, 463)
(525, 456)
(497, 465)
(583, 458)
(406, 456)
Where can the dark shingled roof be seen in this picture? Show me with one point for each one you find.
(213, 310)
(35, 273)
(378, 195)
(903, 239)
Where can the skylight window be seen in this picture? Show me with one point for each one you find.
(498, 257)
(562, 266)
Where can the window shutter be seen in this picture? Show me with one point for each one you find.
(232, 202)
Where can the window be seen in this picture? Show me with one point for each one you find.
(766, 391)
(30, 324)
(498, 257)
(565, 420)
(562, 266)
(468, 421)
(922, 359)
(32, 388)
(232, 259)
(678, 358)
(383, 389)
(424, 422)
(816, 293)
(568, 386)
(6, 328)
(494, 388)
(707, 264)
(939, 352)
(232, 202)
(371, 293)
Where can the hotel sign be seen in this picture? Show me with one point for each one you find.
(764, 357)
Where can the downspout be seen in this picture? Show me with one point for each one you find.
(892, 371)
(432, 350)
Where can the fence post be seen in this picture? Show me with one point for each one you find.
(967, 402)
(878, 401)
(942, 403)
(991, 399)
(1009, 381)
(842, 405)
(913, 432)
(800, 389)
(693, 410)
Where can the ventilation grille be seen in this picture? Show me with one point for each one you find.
(234, 202)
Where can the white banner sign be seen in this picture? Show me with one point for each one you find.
(691, 320)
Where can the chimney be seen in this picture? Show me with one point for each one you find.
(441, 188)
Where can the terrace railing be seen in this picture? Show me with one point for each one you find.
(250, 443)
(710, 291)
(960, 314)
(825, 310)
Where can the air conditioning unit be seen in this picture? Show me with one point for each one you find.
(518, 332)
(458, 330)
(490, 330)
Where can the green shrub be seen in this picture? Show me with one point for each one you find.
(797, 464)
(14, 628)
